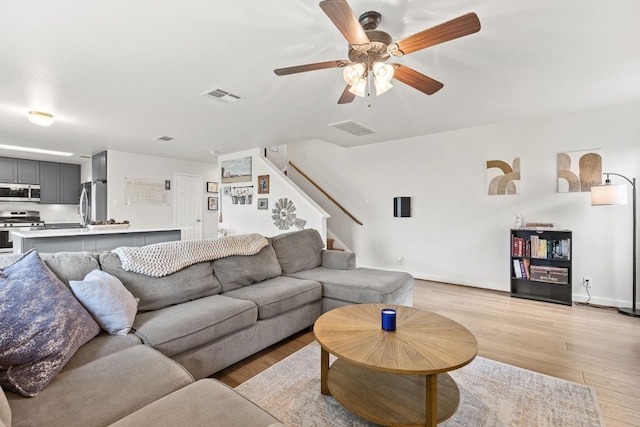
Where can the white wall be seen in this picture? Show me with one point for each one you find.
(242, 219)
(459, 234)
(121, 165)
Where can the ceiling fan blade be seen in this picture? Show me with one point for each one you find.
(343, 18)
(450, 30)
(416, 80)
(346, 96)
(310, 67)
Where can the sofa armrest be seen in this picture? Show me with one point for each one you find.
(340, 260)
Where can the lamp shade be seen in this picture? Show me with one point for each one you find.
(382, 71)
(353, 73)
(609, 194)
(359, 89)
(381, 86)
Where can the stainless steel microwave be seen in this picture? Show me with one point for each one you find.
(19, 193)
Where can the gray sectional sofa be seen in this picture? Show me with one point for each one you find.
(191, 324)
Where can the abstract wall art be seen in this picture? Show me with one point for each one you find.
(579, 171)
(503, 176)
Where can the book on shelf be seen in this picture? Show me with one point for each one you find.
(516, 268)
(539, 226)
(521, 268)
(527, 264)
(520, 247)
(537, 247)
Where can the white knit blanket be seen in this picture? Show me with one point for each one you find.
(162, 259)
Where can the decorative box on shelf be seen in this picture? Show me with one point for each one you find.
(545, 273)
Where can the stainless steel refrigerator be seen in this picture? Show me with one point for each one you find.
(93, 202)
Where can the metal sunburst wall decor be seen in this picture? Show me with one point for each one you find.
(284, 215)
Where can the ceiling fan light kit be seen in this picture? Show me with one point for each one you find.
(369, 49)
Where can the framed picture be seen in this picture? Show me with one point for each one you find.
(503, 176)
(263, 204)
(263, 184)
(227, 191)
(212, 187)
(213, 203)
(579, 170)
(236, 170)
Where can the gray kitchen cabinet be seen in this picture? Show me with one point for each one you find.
(19, 171)
(28, 171)
(8, 170)
(60, 183)
(99, 167)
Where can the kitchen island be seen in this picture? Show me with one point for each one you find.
(84, 239)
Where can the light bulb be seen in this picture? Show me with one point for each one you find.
(352, 73)
(383, 71)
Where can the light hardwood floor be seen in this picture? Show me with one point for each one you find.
(584, 344)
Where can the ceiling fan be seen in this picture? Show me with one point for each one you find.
(369, 49)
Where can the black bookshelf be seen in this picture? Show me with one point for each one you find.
(541, 265)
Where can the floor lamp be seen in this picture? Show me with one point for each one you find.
(609, 194)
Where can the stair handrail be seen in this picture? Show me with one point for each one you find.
(326, 194)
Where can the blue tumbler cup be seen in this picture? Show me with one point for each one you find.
(388, 319)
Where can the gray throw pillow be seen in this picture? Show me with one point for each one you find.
(236, 271)
(41, 325)
(108, 301)
(299, 250)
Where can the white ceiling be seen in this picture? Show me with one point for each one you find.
(117, 74)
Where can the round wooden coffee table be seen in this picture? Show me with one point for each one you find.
(393, 378)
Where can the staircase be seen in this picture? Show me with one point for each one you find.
(330, 246)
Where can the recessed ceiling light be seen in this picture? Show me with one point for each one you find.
(40, 118)
(35, 150)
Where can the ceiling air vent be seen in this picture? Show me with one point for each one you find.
(352, 127)
(164, 138)
(224, 96)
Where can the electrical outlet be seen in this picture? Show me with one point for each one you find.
(587, 282)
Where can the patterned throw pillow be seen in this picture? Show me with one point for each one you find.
(41, 325)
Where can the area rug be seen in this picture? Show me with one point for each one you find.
(492, 394)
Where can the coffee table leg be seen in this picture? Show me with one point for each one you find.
(324, 371)
(432, 401)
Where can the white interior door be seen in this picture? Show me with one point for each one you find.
(188, 205)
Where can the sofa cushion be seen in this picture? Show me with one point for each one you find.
(102, 345)
(108, 301)
(179, 328)
(195, 281)
(65, 265)
(360, 285)
(102, 391)
(299, 250)
(279, 295)
(5, 410)
(202, 404)
(236, 271)
(41, 325)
